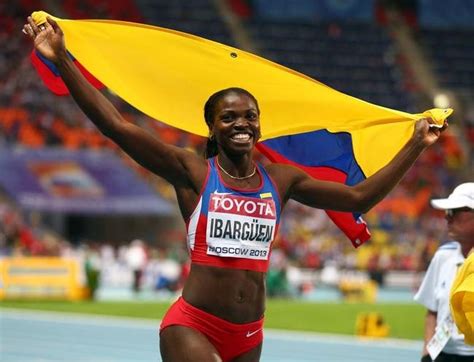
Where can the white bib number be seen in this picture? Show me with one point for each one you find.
(240, 227)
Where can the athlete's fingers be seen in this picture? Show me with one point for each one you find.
(53, 24)
(28, 30)
(33, 25)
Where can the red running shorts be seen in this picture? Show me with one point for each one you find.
(230, 339)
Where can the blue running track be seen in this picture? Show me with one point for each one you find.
(29, 336)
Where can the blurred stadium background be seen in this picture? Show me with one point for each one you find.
(68, 194)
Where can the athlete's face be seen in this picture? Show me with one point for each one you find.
(236, 123)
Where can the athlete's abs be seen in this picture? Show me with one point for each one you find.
(237, 296)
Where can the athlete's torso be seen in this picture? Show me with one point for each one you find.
(234, 228)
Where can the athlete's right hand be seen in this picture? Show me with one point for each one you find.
(48, 38)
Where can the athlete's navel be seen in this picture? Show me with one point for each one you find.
(240, 297)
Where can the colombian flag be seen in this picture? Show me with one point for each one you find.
(169, 75)
(50, 74)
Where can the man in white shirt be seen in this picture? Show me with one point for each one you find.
(137, 260)
(443, 343)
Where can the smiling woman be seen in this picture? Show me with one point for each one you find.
(231, 206)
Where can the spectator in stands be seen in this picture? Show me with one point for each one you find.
(220, 314)
(137, 260)
(443, 343)
(169, 271)
(92, 268)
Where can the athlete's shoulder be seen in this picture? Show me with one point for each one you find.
(281, 171)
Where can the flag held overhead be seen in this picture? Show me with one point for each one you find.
(169, 75)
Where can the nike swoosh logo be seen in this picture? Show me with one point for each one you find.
(221, 193)
(250, 334)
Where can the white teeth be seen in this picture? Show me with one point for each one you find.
(241, 137)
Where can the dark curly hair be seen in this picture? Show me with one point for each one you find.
(210, 108)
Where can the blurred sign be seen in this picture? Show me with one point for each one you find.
(76, 182)
(40, 278)
(65, 179)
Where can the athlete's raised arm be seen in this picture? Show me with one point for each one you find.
(365, 195)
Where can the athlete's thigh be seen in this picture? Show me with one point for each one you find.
(182, 344)
(250, 356)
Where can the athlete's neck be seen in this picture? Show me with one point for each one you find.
(238, 166)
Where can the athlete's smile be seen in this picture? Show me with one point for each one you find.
(242, 137)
